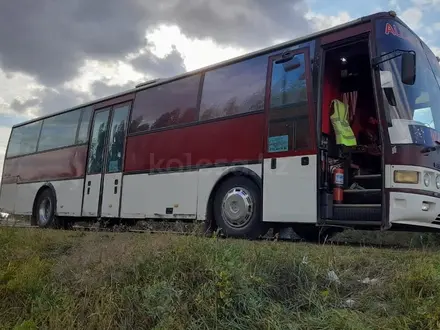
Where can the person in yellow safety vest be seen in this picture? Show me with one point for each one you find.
(339, 118)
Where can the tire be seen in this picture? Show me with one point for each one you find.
(314, 234)
(237, 208)
(45, 210)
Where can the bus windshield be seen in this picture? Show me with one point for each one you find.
(413, 110)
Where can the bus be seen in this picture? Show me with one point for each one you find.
(337, 129)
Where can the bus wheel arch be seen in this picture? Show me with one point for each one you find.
(46, 194)
(252, 183)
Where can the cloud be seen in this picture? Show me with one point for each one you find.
(15, 86)
(321, 22)
(53, 99)
(21, 106)
(44, 100)
(196, 53)
(100, 89)
(394, 4)
(413, 17)
(436, 50)
(50, 100)
(168, 66)
(51, 39)
(427, 3)
(244, 23)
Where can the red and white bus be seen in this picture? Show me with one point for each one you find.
(250, 143)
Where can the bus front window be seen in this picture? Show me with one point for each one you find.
(413, 110)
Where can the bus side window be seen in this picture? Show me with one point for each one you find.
(62, 126)
(24, 139)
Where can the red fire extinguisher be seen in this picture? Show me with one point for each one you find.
(338, 185)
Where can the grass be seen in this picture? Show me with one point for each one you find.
(76, 280)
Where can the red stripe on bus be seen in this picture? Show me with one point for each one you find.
(225, 141)
(58, 164)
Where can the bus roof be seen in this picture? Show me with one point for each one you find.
(156, 82)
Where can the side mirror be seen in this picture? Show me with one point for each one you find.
(408, 69)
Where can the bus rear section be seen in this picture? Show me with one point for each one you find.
(46, 154)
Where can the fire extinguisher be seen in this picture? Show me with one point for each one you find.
(338, 185)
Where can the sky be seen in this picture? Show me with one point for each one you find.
(59, 54)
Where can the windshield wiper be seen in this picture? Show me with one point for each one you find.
(389, 56)
(427, 150)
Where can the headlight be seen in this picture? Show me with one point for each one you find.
(406, 177)
(437, 181)
(427, 179)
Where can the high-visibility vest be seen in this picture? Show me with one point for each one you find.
(344, 133)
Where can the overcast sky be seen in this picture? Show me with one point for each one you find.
(57, 54)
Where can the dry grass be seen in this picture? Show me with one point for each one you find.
(107, 256)
(75, 280)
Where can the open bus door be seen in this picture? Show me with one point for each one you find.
(103, 182)
(289, 166)
(359, 199)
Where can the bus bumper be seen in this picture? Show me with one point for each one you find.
(414, 210)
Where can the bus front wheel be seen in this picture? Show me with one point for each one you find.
(237, 208)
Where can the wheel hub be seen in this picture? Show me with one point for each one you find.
(237, 207)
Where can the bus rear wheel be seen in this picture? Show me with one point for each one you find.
(237, 208)
(45, 210)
